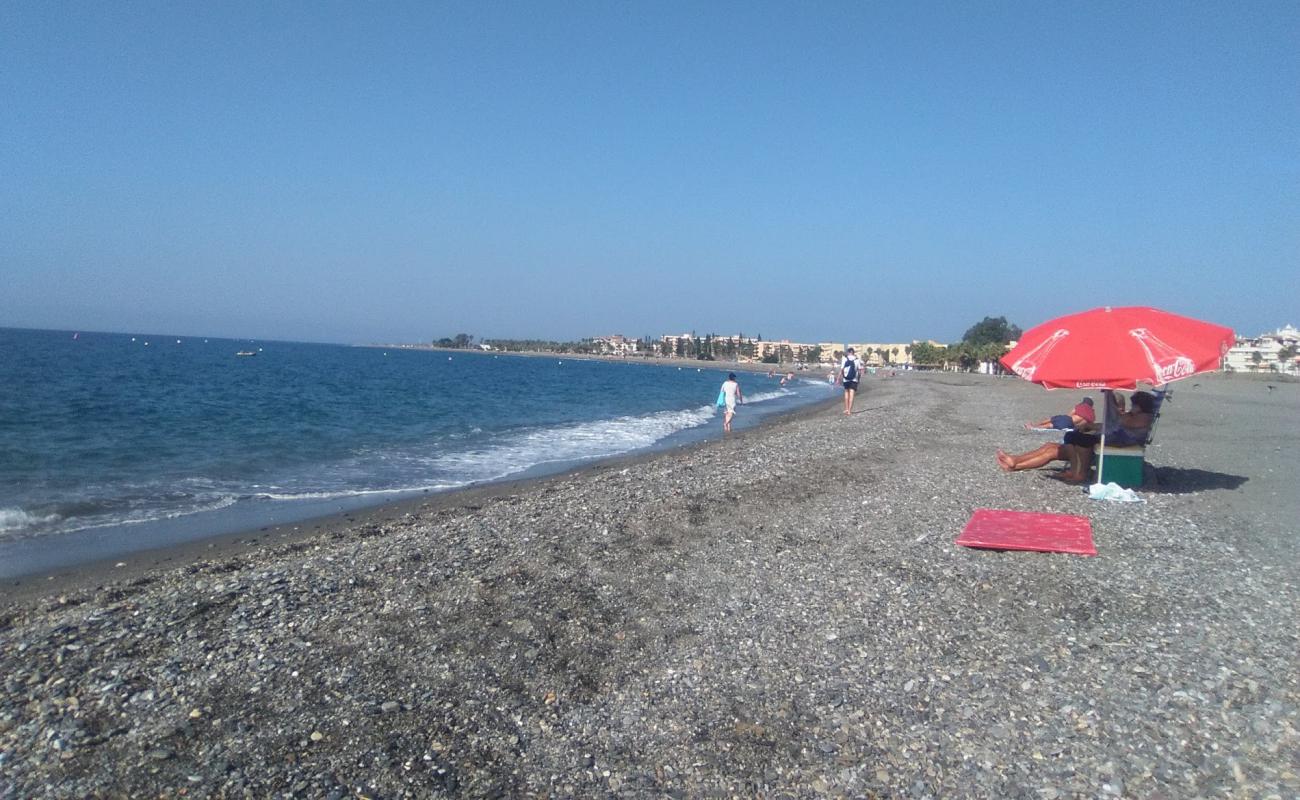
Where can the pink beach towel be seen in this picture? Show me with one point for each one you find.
(997, 529)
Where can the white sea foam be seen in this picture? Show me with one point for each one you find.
(760, 397)
(328, 495)
(17, 524)
(201, 504)
(512, 453)
(502, 456)
(569, 443)
(15, 520)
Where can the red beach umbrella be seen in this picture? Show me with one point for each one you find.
(1117, 348)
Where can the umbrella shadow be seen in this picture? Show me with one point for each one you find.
(1184, 480)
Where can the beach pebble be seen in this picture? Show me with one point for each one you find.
(779, 614)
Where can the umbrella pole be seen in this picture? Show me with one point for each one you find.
(1101, 458)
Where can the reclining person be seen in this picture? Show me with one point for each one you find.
(1082, 414)
(1122, 428)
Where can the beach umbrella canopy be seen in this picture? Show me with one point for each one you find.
(1118, 348)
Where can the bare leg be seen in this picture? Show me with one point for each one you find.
(848, 401)
(1081, 461)
(1005, 461)
(1042, 423)
(1034, 458)
(726, 419)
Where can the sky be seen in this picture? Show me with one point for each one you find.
(862, 171)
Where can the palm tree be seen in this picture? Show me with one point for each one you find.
(1286, 357)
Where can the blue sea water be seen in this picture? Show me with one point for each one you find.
(115, 442)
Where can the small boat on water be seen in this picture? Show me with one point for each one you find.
(246, 353)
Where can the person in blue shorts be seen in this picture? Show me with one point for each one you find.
(1122, 428)
(849, 375)
(1082, 414)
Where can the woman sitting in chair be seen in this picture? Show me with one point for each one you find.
(1122, 428)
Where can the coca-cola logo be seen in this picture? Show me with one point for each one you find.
(1167, 364)
(1027, 366)
(1182, 367)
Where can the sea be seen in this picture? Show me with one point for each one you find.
(111, 443)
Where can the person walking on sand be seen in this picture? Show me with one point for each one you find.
(849, 374)
(728, 397)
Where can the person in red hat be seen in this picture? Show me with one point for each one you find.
(1122, 428)
(1083, 414)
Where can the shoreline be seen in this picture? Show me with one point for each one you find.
(780, 613)
(98, 573)
(37, 558)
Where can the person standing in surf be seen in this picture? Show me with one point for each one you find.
(728, 397)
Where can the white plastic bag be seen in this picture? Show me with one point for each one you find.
(1113, 491)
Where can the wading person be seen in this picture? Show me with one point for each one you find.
(729, 396)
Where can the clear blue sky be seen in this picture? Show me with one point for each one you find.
(819, 171)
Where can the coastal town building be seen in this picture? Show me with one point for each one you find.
(785, 351)
(686, 345)
(737, 347)
(1268, 352)
(744, 348)
(875, 354)
(879, 354)
(616, 345)
(677, 344)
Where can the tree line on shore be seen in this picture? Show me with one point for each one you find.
(984, 342)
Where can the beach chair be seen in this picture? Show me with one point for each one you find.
(1124, 464)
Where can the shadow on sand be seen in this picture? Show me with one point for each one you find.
(1180, 480)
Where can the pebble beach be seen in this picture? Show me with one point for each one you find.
(780, 613)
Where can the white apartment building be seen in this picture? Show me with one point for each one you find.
(723, 346)
(1268, 352)
(616, 345)
(676, 342)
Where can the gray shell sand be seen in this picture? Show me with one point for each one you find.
(781, 614)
